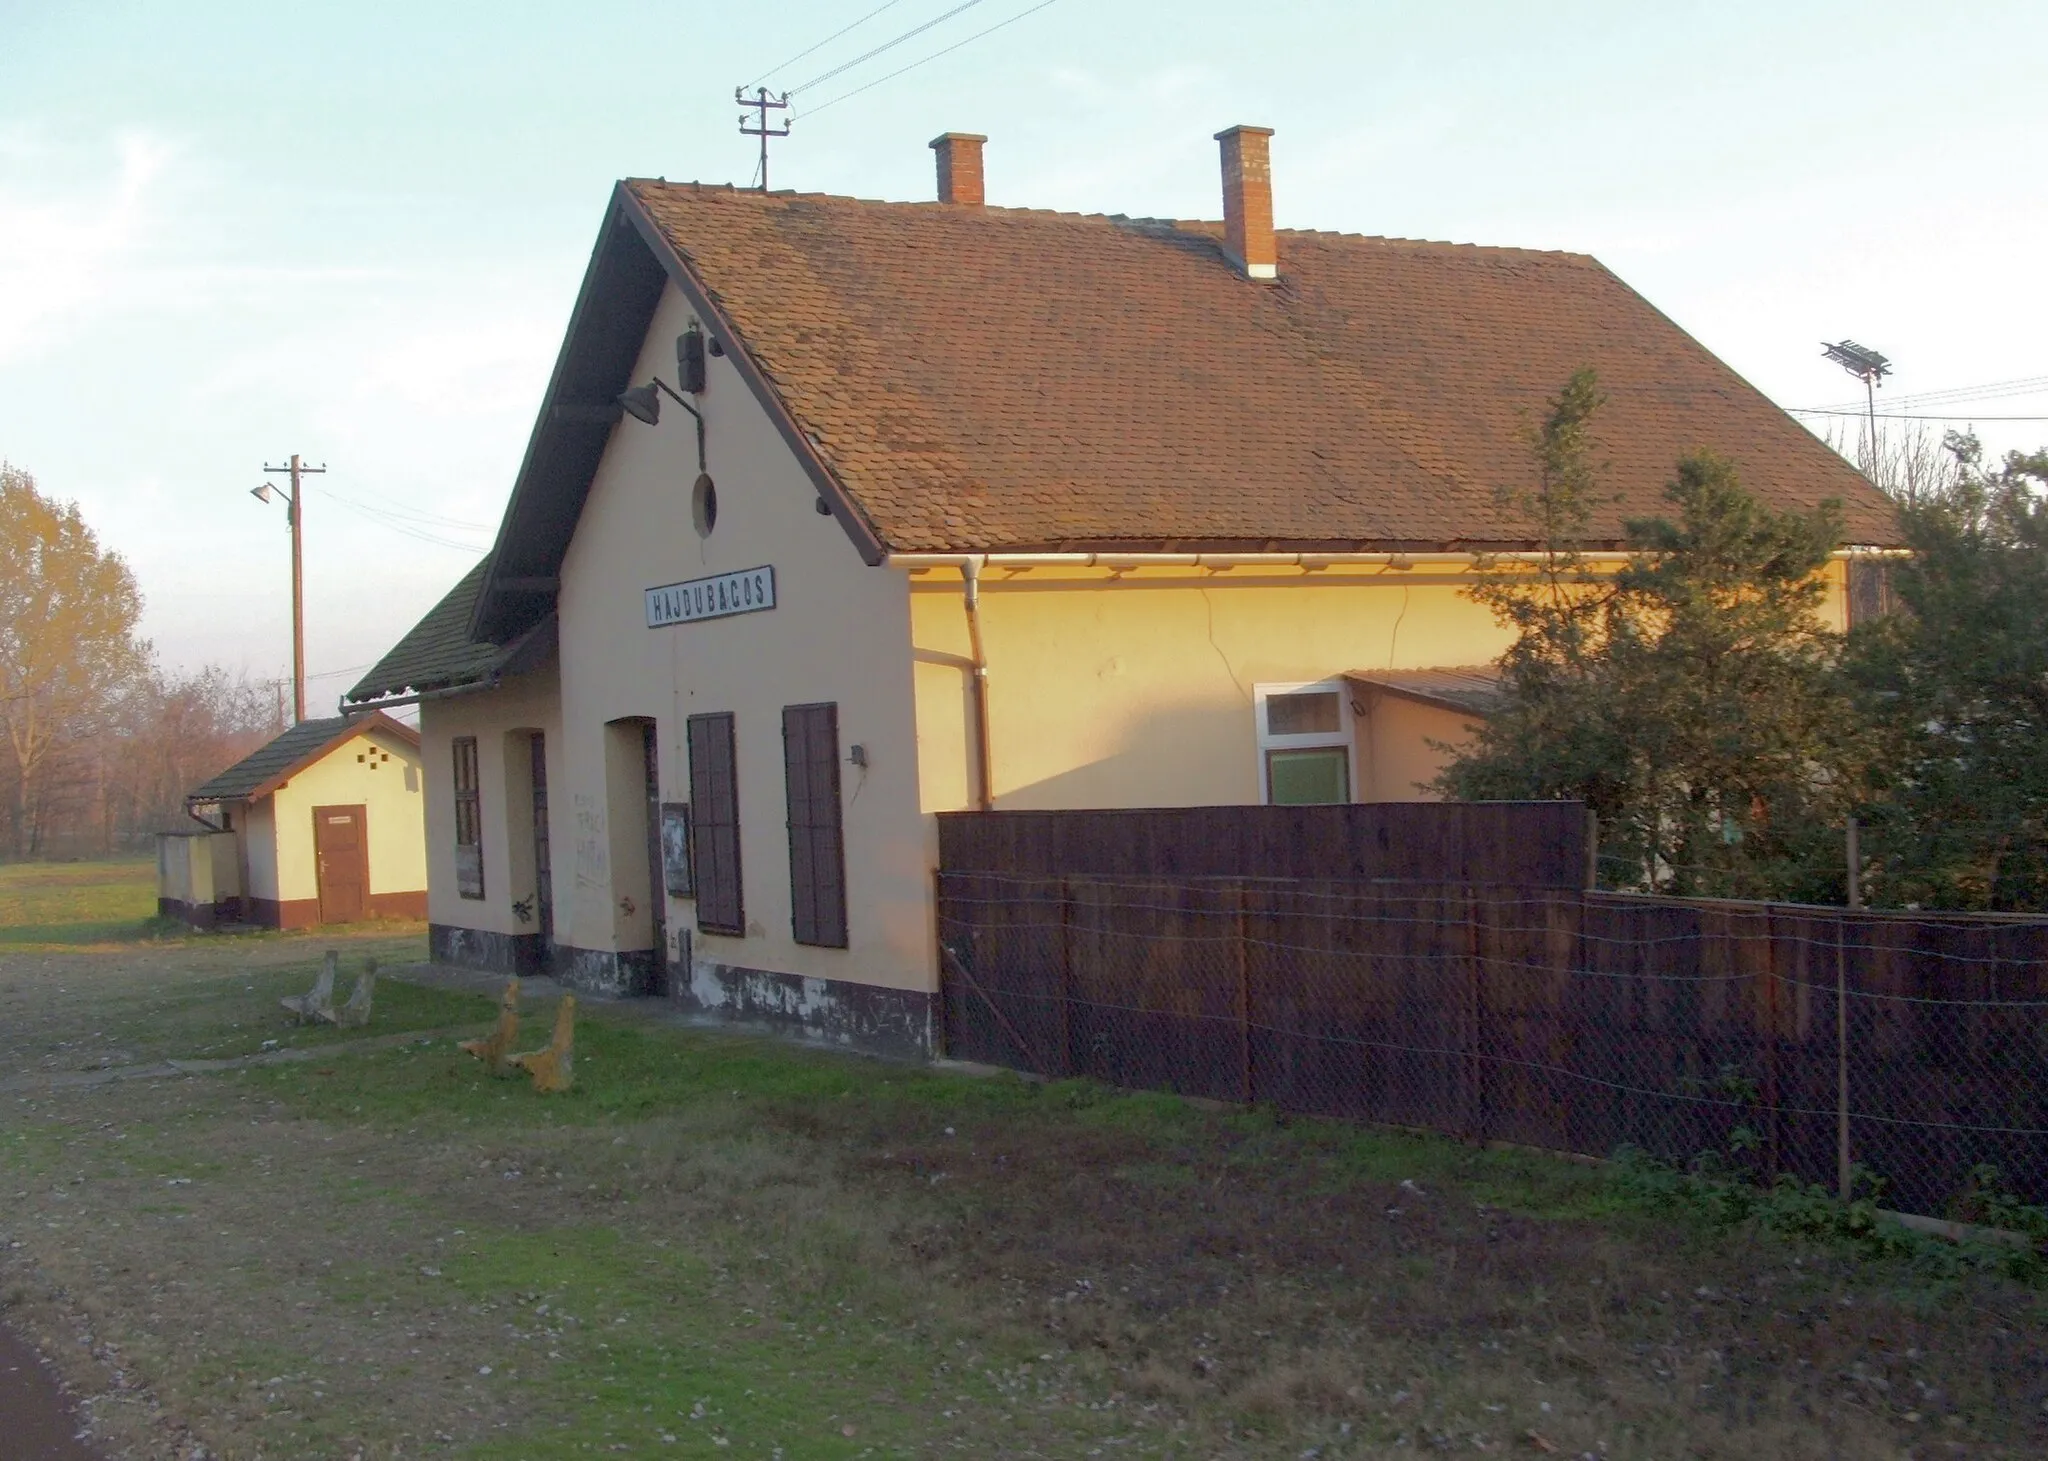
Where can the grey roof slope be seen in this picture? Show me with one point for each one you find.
(259, 772)
(437, 652)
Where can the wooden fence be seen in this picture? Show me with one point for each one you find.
(1523, 844)
(1547, 1015)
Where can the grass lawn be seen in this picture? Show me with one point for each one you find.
(67, 903)
(723, 1246)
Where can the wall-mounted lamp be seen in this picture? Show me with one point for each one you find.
(643, 403)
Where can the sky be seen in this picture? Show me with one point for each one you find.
(234, 231)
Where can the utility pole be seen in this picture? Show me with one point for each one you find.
(295, 515)
(761, 105)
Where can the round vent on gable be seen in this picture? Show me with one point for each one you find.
(704, 505)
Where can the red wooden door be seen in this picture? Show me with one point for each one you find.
(341, 850)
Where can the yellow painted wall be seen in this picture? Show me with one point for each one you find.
(397, 831)
(1395, 752)
(1138, 691)
(500, 719)
(1834, 609)
(840, 633)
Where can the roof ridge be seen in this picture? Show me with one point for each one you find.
(999, 210)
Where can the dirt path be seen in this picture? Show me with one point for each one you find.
(36, 1419)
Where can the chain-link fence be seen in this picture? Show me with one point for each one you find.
(1796, 1038)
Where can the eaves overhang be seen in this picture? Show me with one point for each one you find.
(622, 286)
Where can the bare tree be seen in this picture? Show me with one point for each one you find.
(1910, 462)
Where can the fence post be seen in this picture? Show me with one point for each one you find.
(1844, 1165)
(1773, 1024)
(1592, 849)
(942, 1043)
(1244, 1001)
(1472, 1094)
(1066, 1000)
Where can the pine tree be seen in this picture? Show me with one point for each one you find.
(1693, 699)
(1958, 682)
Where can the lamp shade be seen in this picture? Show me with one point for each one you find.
(642, 403)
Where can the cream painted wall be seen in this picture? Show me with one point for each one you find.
(174, 863)
(397, 829)
(500, 719)
(840, 633)
(1395, 754)
(259, 847)
(224, 852)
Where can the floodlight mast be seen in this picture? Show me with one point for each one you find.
(1869, 367)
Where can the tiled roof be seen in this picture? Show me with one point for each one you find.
(988, 378)
(1474, 689)
(437, 652)
(258, 772)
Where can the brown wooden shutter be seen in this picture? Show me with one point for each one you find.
(715, 824)
(1870, 590)
(817, 849)
(469, 851)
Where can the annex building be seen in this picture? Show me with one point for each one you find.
(323, 824)
(839, 514)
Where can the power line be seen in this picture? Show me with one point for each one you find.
(886, 4)
(1956, 395)
(396, 525)
(406, 529)
(910, 34)
(1903, 415)
(345, 670)
(932, 57)
(431, 519)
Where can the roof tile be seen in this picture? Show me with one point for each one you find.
(992, 378)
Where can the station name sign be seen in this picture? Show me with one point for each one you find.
(723, 594)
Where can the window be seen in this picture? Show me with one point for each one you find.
(817, 851)
(715, 825)
(1305, 743)
(469, 840)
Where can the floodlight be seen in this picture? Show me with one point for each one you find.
(1859, 360)
(262, 493)
(642, 403)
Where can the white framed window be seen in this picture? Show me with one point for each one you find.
(1307, 743)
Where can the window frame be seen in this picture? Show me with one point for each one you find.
(467, 783)
(1344, 738)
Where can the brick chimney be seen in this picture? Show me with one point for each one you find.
(1248, 201)
(959, 168)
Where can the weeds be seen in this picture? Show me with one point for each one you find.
(1716, 1191)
